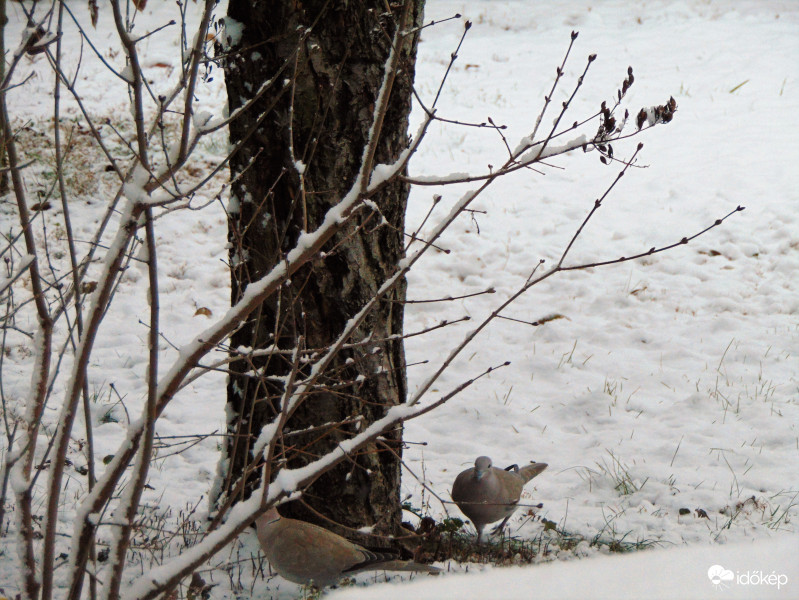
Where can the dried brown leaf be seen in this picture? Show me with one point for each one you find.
(94, 11)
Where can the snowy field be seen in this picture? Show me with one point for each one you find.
(666, 396)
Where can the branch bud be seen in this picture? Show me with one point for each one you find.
(641, 118)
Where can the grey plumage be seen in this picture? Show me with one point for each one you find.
(308, 554)
(487, 494)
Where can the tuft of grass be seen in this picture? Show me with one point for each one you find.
(566, 357)
(617, 472)
(742, 509)
(780, 517)
(109, 417)
(609, 537)
(450, 540)
(80, 158)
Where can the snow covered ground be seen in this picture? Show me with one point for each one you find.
(678, 573)
(670, 383)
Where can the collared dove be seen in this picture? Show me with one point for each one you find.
(308, 554)
(487, 494)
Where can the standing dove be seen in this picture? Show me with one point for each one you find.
(308, 554)
(487, 494)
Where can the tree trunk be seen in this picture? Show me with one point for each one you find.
(322, 123)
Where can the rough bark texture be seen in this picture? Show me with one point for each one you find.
(337, 72)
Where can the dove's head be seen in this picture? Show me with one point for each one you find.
(482, 466)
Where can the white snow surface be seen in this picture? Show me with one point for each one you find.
(748, 570)
(671, 382)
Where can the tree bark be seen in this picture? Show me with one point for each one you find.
(322, 123)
